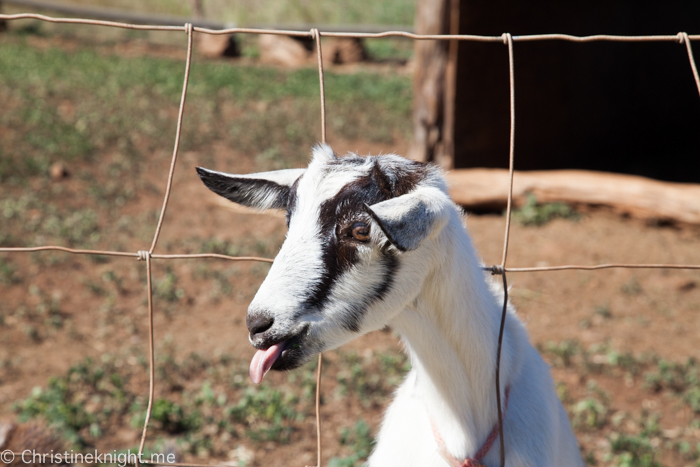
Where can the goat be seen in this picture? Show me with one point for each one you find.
(377, 241)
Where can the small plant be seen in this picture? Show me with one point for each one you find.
(172, 417)
(682, 379)
(264, 413)
(166, 287)
(563, 351)
(589, 414)
(360, 442)
(534, 214)
(79, 404)
(8, 273)
(632, 451)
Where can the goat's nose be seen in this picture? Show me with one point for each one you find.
(258, 323)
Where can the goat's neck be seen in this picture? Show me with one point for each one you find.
(450, 332)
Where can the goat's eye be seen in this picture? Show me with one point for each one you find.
(360, 231)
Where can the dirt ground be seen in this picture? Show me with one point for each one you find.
(641, 312)
(608, 335)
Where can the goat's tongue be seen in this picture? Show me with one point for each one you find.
(262, 361)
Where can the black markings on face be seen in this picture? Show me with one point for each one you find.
(337, 216)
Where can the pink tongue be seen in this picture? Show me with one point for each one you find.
(263, 360)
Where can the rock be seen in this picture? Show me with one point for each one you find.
(283, 50)
(214, 46)
(58, 170)
(343, 50)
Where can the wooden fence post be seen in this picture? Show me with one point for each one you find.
(433, 85)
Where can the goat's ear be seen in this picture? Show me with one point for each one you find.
(408, 219)
(264, 190)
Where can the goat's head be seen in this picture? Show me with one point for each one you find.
(357, 250)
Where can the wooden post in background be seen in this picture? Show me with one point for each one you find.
(445, 156)
(429, 83)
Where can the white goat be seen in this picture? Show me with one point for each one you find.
(377, 241)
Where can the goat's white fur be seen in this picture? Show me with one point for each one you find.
(450, 331)
(447, 312)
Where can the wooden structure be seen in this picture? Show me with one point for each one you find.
(619, 107)
(629, 195)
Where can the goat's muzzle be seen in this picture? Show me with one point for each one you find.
(258, 323)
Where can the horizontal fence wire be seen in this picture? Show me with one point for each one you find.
(316, 35)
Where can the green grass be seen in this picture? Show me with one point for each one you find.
(63, 403)
(247, 12)
(359, 441)
(106, 117)
(638, 449)
(203, 402)
(388, 50)
(634, 439)
(682, 379)
(370, 387)
(77, 105)
(534, 214)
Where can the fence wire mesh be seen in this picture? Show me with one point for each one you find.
(316, 35)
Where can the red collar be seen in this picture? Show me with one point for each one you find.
(475, 461)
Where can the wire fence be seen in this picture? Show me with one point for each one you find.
(316, 35)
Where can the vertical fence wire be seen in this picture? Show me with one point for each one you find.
(178, 132)
(693, 66)
(508, 40)
(319, 55)
(147, 255)
(151, 355)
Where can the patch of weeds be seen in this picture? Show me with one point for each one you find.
(683, 379)
(166, 288)
(637, 450)
(359, 441)
(43, 317)
(394, 367)
(632, 451)
(686, 449)
(41, 223)
(599, 358)
(265, 413)
(8, 273)
(110, 277)
(220, 247)
(625, 361)
(563, 351)
(632, 287)
(94, 287)
(534, 214)
(307, 381)
(76, 228)
(78, 404)
(172, 417)
(97, 397)
(589, 414)
(357, 379)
